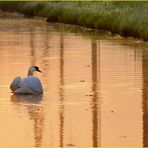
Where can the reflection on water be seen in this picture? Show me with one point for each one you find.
(61, 93)
(35, 112)
(32, 45)
(145, 98)
(35, 99)
(95, 90)
(95, 102)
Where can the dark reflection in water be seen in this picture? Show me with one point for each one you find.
(61, 93)
(145, 98)
(32, 45)
(27, 98)
(95, 100)
(36, 113)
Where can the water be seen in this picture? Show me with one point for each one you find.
(95, 88)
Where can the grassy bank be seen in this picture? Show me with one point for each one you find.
(124, 18)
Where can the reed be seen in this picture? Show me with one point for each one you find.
(124, 18)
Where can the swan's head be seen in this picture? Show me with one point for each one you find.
(33, 69)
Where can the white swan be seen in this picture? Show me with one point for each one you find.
(28, 85)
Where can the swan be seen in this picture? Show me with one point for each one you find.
(28, 85)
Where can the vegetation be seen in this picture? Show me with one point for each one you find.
(124, 18)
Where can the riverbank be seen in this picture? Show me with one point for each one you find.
(123, 18)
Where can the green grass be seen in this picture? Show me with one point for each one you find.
(124, 18)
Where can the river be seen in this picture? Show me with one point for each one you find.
(95, 87)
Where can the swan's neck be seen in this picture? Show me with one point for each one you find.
(29, 73)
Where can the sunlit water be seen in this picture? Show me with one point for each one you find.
(95, 89)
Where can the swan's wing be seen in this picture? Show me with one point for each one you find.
(33, 83)
(23, 90)
(16, 83)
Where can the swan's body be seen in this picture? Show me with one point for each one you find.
(28, 85)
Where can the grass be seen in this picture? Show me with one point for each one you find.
(124, 18)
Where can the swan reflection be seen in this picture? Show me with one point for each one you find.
(35, 98)
(35, 113)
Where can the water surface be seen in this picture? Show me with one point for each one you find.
(95, 88)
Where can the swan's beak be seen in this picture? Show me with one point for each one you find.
(39, 70)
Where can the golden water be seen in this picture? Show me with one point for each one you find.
(95, 90)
